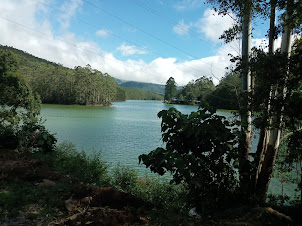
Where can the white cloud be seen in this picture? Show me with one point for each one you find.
(103, 33)
(181, 28)
(70, 7)
(87, 52)
(157, 71)
(130, 50)
(213, 25)
(188, 4)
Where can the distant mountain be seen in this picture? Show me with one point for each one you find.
(139, 94)
(150, 87)
(119, 81)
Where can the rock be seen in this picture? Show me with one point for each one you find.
(71, 205)
(193, 213)
(47, 182)
(86, 200)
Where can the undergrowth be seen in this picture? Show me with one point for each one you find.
(67, 160)
(44, 201)
(92, 170)
(33, 199)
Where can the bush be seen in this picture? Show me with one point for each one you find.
(124, 178)
(35, 137)
(199, 153)
(158, 192)
(66, 159)
(161, 193)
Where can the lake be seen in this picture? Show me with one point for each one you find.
(122, 131)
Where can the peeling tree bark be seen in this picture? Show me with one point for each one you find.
(245, 142)
(270, 150)
(264, 133)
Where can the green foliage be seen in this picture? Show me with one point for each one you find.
(150, 87)
(197, 90)
(276, 71)
(276, 89)
(159, 193)
(199, 152)
(288, 167)
(16, 100)
(225, 96)
(19, 110)
(124, 178)
(170, 89)
(47, 199)
(92, 170)
(57, 84)
(120, 94)
(138, 94)
(81, 85)
(91, 87)
(35, 138)
(88, 169)
(277, 100)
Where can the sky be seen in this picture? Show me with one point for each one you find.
(132, 40)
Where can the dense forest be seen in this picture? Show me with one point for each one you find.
(81, 85)
(139, 94)
(222, 96)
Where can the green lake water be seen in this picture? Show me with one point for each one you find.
(122, 131)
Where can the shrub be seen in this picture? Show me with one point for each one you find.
(158, 192)
(124, 178)
(161, 193)
(199, 152)
(90, 169)
(35, 137)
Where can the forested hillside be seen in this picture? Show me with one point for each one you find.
(150, 87)
(139, 94)
(81, 85)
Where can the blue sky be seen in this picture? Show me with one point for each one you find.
(139, 40)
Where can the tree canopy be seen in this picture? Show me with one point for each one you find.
(19, 109)
(170, 89)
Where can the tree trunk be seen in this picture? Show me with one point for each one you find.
(264, 133)
(245, 140)
(266, 172)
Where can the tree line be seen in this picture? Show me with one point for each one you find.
(222, 96)
(57, 84)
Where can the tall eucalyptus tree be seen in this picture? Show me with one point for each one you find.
(255, 174)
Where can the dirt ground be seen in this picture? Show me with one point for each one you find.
(105, 205)
(85, 206)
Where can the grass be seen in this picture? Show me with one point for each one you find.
(159, 193)
(93, 171)
(67, 160)
(33, 199)
(48, 201)
(41, 201)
